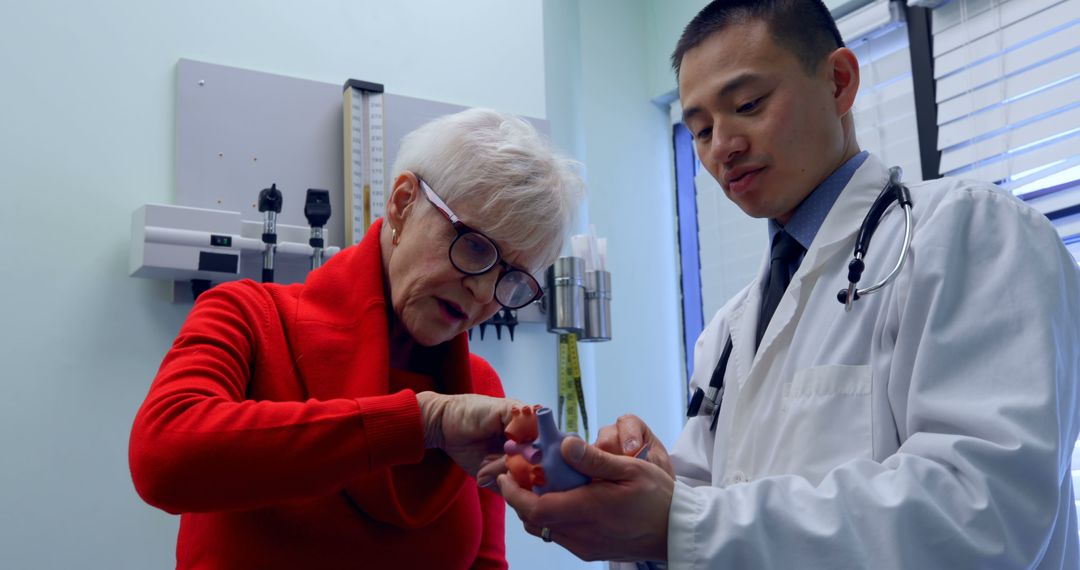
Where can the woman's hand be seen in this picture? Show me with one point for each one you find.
(468, 427)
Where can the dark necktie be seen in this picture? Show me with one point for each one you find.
(782, 265)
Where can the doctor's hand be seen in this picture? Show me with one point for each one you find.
(622, 515)
(630, 436)
(468, 427)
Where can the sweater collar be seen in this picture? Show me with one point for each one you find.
(341, 326)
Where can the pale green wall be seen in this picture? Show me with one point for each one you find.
(666, 20)
(628, 145)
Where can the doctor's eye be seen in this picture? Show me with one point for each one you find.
(704, 134)
(749, 107)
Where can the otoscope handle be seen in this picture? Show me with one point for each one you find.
(270, 200)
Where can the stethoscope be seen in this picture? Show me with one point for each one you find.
(707, 402)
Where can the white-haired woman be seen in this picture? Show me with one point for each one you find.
(336, 423)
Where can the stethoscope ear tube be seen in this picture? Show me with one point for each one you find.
(873, 217)
(903, 195)
(893, 191)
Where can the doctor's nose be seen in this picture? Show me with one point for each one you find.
(725, 148)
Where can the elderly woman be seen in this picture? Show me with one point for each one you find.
(336, 423)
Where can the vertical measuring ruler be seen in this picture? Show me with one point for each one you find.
(571, 396)
(365, 187)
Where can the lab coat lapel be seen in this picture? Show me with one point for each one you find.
(743, 325)
(836, 237)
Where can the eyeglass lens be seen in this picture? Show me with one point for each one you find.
(474, 253)
(516, 289)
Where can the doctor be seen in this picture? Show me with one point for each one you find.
(929, 427)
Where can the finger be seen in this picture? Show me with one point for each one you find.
(658, 456)
(608, 439)
(489, 470)
(633, 433)
(505, 413)
(593, 461)
(533, 529)
(522, 501)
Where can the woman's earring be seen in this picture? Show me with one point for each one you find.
(393, 236)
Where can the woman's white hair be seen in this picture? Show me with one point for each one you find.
(525, 192)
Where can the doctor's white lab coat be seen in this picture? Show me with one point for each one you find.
(930, 427)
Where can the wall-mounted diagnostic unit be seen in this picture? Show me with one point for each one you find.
(198, 247)
(248, 146)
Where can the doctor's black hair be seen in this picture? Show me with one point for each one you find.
(806, 28)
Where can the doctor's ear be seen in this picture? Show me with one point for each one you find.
(402, 199)
(843, 69)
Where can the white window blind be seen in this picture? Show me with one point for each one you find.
(1008, 91)
(884, 110)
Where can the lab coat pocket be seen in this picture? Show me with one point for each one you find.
(826, 419)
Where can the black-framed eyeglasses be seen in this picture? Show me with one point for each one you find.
(473, 253)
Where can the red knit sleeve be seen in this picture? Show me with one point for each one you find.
(199, 444)
(492, 553)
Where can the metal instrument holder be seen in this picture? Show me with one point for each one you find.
(565, 291)
(597, 306)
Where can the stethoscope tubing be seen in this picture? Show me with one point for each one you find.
(708, 403)
(852, 294)
(899, 262)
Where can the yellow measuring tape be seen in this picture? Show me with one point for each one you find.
(571, 396)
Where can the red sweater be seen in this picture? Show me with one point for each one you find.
(278, 431)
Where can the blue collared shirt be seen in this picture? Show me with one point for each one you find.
(810, 214)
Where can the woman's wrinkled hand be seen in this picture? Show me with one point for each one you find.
(467, 427)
